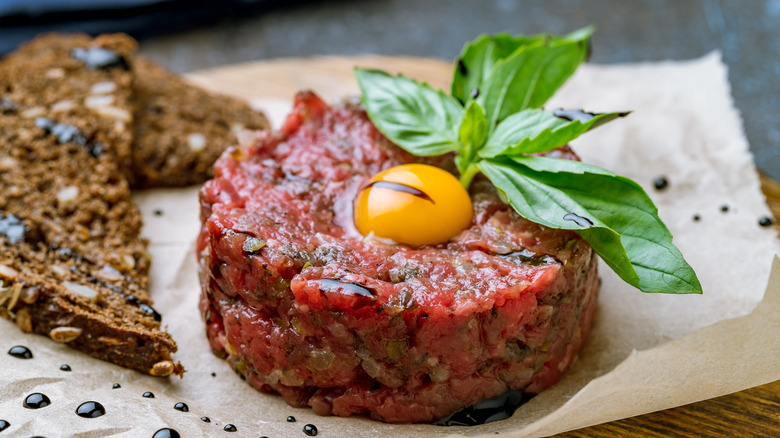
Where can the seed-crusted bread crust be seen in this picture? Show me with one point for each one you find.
(180, 129)
(72, 263)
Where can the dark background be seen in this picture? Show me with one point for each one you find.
(191, 35)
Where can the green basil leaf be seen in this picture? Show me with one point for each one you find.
(529, 77)
(416, 117)
(611, 212)
(473, 132)
(478, 57)
(536, 130)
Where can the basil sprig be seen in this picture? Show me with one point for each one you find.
(494, 122)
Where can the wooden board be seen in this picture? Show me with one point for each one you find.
(755, 412)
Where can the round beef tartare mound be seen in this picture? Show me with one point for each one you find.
(302, 305)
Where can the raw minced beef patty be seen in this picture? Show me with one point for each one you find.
(301, 305)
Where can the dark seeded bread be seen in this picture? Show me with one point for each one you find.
(72, 263)
(180, 129)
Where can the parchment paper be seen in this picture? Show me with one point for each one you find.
(645, 353)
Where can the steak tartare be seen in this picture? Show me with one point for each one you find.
(301, 304)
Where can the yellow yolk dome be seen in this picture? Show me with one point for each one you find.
(415, 204)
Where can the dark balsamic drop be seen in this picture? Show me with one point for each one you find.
(310, 430)
(660, 183)
(7, 106)
(487, 411)
(69, 133)
(724, 208)
(116, 386)
(166, 432)
(403, 188)
(149, 394)
(99, 57)
(181, 406)
(158, 212)
(213, 374)
(573, 115)
(765, 221)
(4, 425)
(90, 409)
(149, 310)
(354, 289)
(579, 220)
(205, 419)
(291, 419)
(36, 400)
(65, 367)
(578, 115)
(526, 256)
(462, 67)
(696, 218)
(230, 428)
(65, 253)
(13, 228)
(44, 123)
(20, 351)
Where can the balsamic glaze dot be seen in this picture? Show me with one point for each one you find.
(7, 106)
(100, 58)
(65, 367)
(310, 430)
(181, 406)
(462, 67)
(291, 419)
(765, 221)
(149, 394)
(90, 409)
(166, 432)
(158, 212)
(487, 411)
(724, 208)
(21, 352)
(116, 386)
(4, 425)
(44, 123)
(149, 310)
(660, 183)
(213, 374)
(205, 419)
(13, 228)
(696, 218)
(230, 428)
(577, 115)
(36, 400)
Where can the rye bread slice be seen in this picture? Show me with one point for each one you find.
(73, 265)
(180, 129)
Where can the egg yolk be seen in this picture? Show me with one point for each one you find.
(415, 204)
